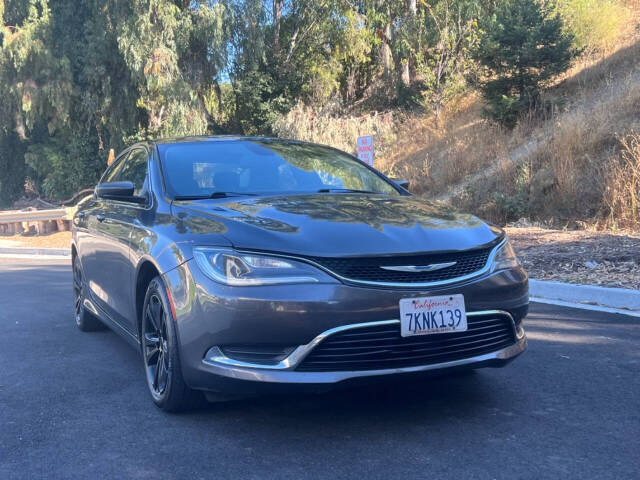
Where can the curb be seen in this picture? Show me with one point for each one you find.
(616, 300)
(65, 252)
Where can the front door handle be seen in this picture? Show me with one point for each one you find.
(100, 217)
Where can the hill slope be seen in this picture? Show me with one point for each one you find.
(565, 168)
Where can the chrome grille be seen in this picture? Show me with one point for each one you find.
(368, 269)
(381, 346)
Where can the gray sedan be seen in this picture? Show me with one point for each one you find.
(245, 265)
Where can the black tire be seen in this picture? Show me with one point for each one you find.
(85, 320)
(160, 353)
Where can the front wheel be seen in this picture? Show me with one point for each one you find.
(160, 353)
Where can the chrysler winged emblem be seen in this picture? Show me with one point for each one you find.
(419, 268)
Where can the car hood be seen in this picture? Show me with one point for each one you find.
(339, 224)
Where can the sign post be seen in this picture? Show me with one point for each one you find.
(365, 149)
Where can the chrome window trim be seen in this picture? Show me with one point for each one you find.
(486, 269)
(215, 356)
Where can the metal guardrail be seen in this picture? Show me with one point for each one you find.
(36, 222)
(32, 221)
(16, 216)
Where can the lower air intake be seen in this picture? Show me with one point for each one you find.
(382, 347)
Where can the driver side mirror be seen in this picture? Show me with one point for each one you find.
(122, 191)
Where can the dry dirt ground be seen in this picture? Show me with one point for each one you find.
(52, 240)
(586, 257)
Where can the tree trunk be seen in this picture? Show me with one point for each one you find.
(400, 67)
(20, 128)
(410, 67)
(406, 75)
(277, 16)
(216, 87)
(436, 117)
(386, 52)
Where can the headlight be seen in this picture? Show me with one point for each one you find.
(240, 269)
(505, 258)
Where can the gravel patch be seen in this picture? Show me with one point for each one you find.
(585, 257)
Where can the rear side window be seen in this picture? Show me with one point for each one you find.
(135, 170)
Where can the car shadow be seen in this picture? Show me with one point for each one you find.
(423, 399)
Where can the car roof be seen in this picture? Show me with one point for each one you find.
(226, 138)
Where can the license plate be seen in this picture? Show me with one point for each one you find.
(429, 315)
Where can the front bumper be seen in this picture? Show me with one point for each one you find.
(218, 364)
(211, 315)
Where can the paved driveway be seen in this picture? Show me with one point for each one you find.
(74, 405)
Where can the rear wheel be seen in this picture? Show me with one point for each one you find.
(85, 321)
(160, 353)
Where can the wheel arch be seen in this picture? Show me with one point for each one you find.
(156, 262)
(147, 270)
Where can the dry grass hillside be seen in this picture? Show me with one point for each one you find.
(576, 164)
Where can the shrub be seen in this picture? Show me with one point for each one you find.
(622, 192)
(313, 125)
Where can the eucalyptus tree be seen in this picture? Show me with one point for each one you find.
(286, 51)
(442, 45)
(35, 87)
(176, 52)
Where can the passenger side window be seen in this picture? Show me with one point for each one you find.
(135, 170)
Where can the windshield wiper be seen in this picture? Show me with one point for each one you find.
(231, 194)
(214, 195)
(344, 190)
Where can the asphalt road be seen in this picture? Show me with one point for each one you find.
(74, 405)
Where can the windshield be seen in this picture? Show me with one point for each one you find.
(201, 169)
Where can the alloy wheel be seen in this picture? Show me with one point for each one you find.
(156, 346)
(77, 291)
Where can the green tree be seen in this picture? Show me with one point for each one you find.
(35, 87)
(395, 24)
(290, 50)
(355, 56)
(523, 46)
(78, 78)
(176, 51)
(442, 50)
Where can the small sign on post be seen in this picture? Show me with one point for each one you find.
(365, 149)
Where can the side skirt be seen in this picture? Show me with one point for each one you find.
(112, 324)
